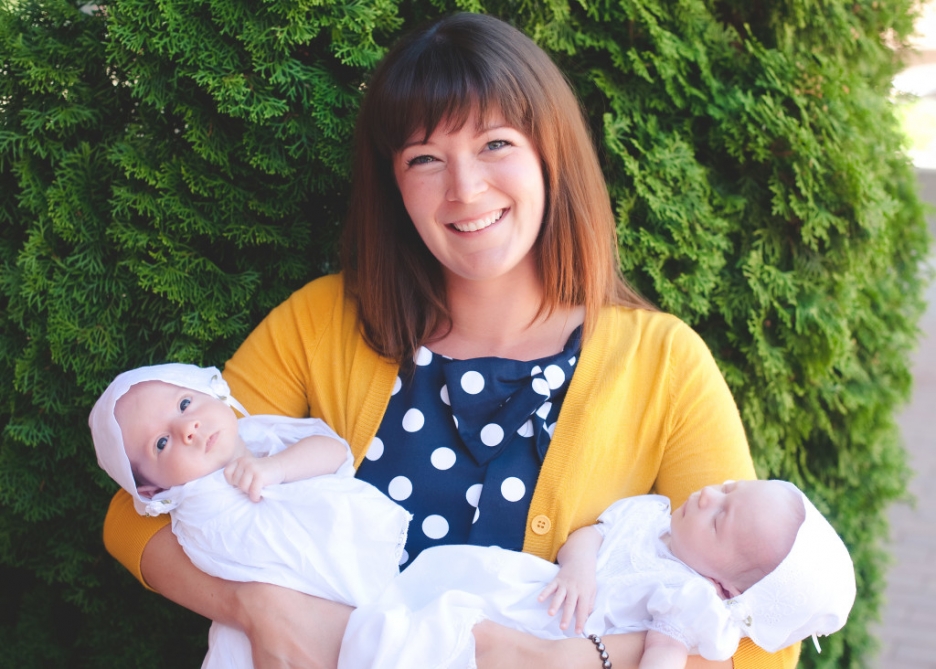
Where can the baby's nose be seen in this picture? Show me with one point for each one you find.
(707, 495)
(188, 429)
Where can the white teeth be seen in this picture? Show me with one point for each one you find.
(480, 224)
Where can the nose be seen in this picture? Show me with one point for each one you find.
(466, 180)
(708, 494)
(187, 428)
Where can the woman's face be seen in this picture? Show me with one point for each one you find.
(476, 196)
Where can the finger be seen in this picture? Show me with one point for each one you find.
(547, 591)
(233, 474)
(581, 615)
(557, 600)
(256, 489)
(567, 612)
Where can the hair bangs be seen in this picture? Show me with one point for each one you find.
(438, 83)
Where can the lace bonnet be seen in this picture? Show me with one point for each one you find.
(810, 593)
(108, 440)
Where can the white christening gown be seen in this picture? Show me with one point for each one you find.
(424, 618)
(331, 536)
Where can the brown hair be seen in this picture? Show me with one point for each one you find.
(443, 73)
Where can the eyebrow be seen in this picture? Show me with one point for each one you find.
(481, 131)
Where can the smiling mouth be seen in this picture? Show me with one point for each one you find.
(481, 223)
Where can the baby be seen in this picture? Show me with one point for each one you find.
(169, 436)
(746, 558)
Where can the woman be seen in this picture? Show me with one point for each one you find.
(479, 266)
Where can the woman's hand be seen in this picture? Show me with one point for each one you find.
(286, 628)
(289, 629)
(499, 647)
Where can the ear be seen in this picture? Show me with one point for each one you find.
(724, 590)
(731, 590)
(147, 491)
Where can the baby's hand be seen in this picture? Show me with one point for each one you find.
(574, 591)
(252, 474)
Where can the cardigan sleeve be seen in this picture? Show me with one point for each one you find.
(126, 532)
(705, 442)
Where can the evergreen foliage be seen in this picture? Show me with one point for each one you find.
(169, 171)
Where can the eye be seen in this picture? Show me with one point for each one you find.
(161, 443)
(497, 144)
(184, 404)
(419, 160)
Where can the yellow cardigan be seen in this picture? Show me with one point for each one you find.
(647, 411)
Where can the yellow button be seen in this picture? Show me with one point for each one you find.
(541, 524)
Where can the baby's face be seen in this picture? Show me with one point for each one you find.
(734, 533)
(175, 435)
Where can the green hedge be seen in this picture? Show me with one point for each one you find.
(170, 171)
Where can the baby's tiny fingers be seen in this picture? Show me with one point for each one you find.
(557, 600)
(567, 612)
(547, 591)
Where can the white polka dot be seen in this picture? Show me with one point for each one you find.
(444, 395)
(513, 489)
(435, 527)
(413, 420)
(526, 430)
(555, 377)
(475, 519)
(400, 488)
(551, 429)
(397, 385)
(541, 386)
(572, 361)
(473, 494)
(442, 458)
(492, 434)
(423, 356)
(536, 370)
(375, 450)
(472, 382)
(543, 411)
(404, 558)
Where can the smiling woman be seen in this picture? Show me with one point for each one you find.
(468, 120)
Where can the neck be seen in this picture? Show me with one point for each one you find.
(499, 318)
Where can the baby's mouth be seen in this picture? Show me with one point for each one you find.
(481, 223)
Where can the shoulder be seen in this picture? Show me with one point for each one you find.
(642, 332)
(324, 291)
(315, 309)
(644, 325)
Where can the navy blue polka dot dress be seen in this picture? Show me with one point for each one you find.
(462, 443)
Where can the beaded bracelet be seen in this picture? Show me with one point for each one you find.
(605, 662)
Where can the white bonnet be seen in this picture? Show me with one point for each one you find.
(108, 440)
(810, 593)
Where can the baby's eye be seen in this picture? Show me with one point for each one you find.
(184, 404)
(161, 443)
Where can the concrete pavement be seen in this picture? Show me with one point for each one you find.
(909, 616)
